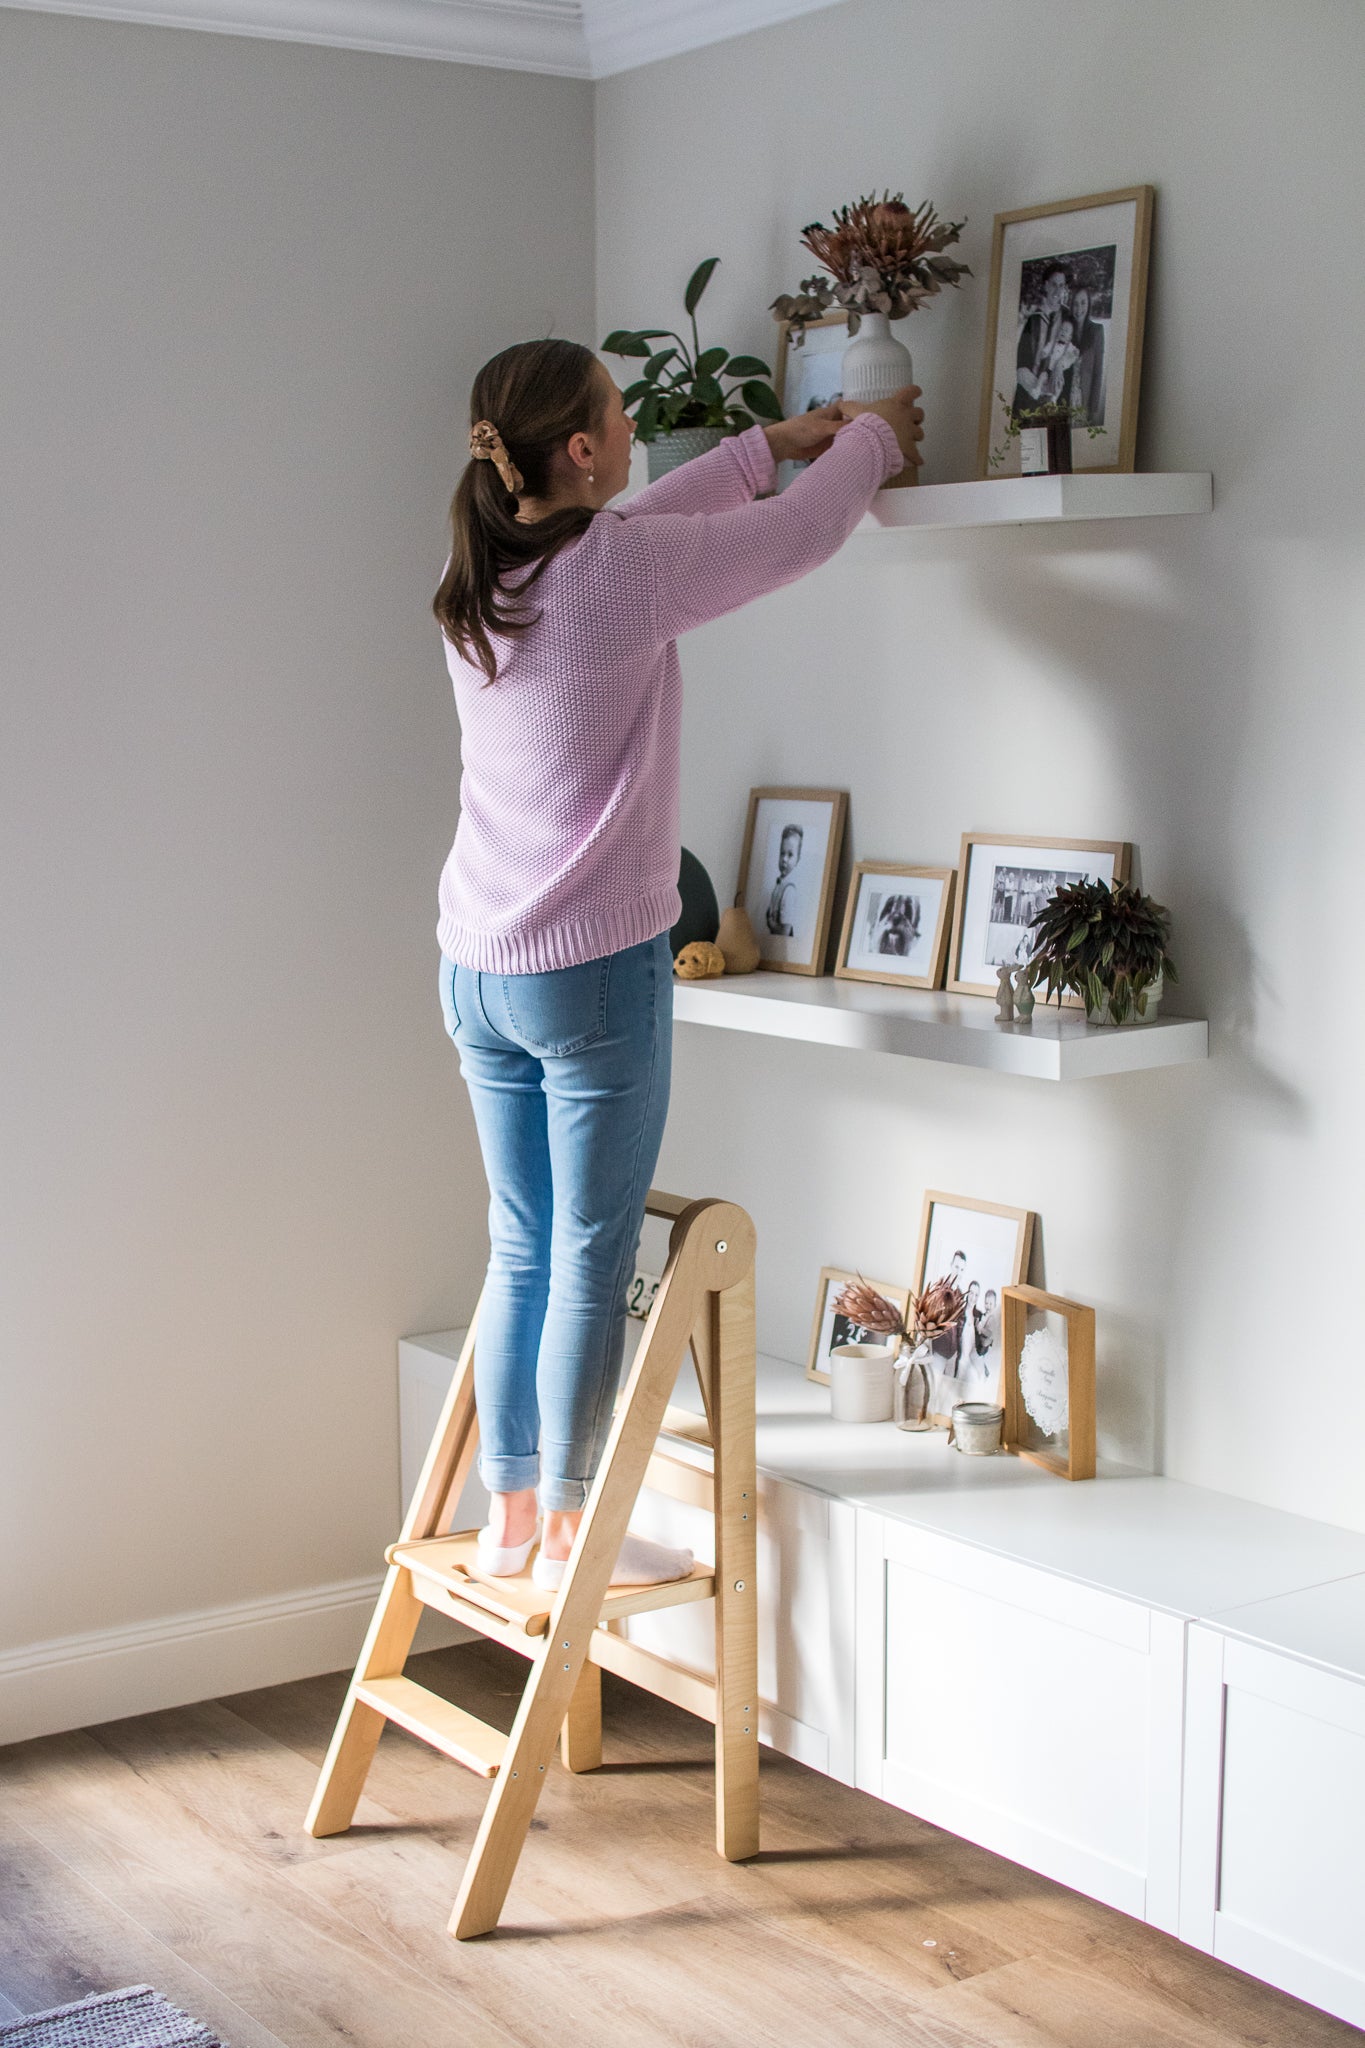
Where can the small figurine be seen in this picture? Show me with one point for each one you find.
(1005, 991)
(1024, 998)
(701, 961)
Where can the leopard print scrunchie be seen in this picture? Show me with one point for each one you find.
(486, 445)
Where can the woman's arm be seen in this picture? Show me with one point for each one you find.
(706, 565)
(725, 477)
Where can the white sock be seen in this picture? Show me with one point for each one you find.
(503, 1561)
(638, 1563)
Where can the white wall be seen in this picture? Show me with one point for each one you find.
(245, 286)
(1192, 686)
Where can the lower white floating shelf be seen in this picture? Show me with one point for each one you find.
(928, 1025)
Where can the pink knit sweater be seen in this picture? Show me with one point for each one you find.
(568, 841)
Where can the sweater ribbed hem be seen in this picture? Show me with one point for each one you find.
(562, 945)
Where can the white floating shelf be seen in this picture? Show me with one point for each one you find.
(923, 1025)
(1036, 500)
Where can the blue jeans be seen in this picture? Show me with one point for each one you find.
(568, 1073)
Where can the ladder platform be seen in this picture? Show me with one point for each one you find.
(452, 1564)
(445, 1726)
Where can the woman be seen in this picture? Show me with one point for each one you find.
(1087, 378)
(556, 902)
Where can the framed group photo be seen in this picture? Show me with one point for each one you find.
(982, 1249)
(896, 925)
(829, 1329)
(1003, 883)
(1064, 326)
(787, 870)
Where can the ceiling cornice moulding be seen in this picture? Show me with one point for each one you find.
(565, 38)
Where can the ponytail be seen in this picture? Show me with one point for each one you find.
(525, 405)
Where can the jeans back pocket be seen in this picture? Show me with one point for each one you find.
(560, 1012)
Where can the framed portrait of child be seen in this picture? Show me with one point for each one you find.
(787, 870)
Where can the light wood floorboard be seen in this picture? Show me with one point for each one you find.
(169, 1849)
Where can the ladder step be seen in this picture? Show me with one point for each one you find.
(469, 1741)
(451, 1563)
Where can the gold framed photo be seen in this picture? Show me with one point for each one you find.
(1003, 882)
(896, 925)
(1064, 326)
(1048, 1391)
(792, 842)
(982, 1248)
(811, 375)
(829, 1329)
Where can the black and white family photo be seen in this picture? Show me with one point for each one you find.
(981, 1250)
(1065, 307)
(1005, 884)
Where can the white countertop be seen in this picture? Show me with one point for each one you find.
(1183, 1549)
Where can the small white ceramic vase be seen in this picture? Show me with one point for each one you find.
(875, 364)
(860, 1383)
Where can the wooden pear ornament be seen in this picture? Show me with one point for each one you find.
(737, 942)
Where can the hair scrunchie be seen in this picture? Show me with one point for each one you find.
(486, 445)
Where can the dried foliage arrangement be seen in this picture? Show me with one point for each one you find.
(882, 256)
(928, 1315)
(680, 388)
(1104, 945)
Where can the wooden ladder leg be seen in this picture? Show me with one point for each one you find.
(398, 1611)
(342, 1778)
(736, 1496)
(580, 1741)
(712, 1247)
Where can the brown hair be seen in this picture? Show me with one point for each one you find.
(536, 394)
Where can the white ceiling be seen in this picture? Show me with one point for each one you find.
(569, 38)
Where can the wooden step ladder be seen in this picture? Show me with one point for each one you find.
(705, 1301)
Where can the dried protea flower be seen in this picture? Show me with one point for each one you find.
(938, 1309)
(884, 257)
(868, 1309)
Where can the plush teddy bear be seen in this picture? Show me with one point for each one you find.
(701, 961)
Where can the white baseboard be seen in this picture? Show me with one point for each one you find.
(79, 1681)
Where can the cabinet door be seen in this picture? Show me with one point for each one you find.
(805, 1617)
(1022, 1711)
(1273, 1862)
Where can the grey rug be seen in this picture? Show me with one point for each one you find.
(136, 2017)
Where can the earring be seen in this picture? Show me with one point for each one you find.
(592, 478)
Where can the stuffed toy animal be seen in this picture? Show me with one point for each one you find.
(701, 961)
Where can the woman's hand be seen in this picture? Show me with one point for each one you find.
(901, 414)
(808, 435)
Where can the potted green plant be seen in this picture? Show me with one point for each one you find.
(1106, 945)
(679, 402)
(883, 260)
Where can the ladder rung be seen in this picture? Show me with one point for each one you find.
(446, 1727)
(450, 1563)
(682, 1422)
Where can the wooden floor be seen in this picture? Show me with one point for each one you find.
(169, 1850)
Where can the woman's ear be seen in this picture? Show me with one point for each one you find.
(580, 451)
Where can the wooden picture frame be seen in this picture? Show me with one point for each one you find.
(785, 354)
(831, 1279)
(1113, 859)
(1106, 256)
(1003, 1262)
(931, 947)
(791, 918)
(1023, 1431)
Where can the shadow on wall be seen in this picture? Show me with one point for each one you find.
(1191, 631)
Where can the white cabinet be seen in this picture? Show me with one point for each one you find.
(805, 1617)
(1273, 1870)
(1024, 1711)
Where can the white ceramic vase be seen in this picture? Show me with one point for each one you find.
(875, 364)
(860, 1383)
(670, 451)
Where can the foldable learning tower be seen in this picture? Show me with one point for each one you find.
(705, 1303)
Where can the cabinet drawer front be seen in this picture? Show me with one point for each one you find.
(1044, 1594)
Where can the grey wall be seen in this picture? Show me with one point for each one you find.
(243, 287)
(1194, 686)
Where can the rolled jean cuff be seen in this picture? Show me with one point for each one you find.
(509, 1475)
(564, 1496)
